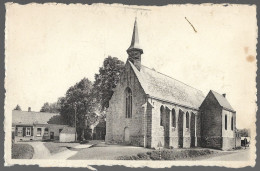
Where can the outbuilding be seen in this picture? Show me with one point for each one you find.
(67, 134)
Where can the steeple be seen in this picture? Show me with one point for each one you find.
(135, 50)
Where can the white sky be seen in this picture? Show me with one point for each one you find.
(51, 47)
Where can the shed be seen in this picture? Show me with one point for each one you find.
(67, 134)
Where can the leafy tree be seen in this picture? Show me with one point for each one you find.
(51, 108)
(244, 132)
(17, 108)
(107, 79)
(79, 100)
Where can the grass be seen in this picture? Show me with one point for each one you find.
(56, 147)
(168, 154)
(110, 152)
(22, 151)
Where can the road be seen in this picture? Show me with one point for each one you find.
(240, 155)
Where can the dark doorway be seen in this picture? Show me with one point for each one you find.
(192, 130)
(180, 129)
(52, 135)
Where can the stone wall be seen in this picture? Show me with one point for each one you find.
(211, 123)
(116, 115)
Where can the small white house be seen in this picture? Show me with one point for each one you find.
(67, 134)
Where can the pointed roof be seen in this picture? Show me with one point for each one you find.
(223, 102)
(135, 39)
(163, 87)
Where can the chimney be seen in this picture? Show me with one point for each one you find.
(29, 109)
(224, 95)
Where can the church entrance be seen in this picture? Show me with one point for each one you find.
(192, 130)
(126, 135)
(167, 129)
(180, 129)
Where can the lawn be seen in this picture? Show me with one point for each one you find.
(56, 147)
(107, 152)
(22, 151)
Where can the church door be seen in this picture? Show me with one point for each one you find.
(127, 135)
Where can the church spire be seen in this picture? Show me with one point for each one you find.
(135, 40)
(135, 50)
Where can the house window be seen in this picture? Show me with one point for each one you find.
(46, 132)
(173, 118)
(39, 131)
(20, 131)
(28, 131)
(225, 122)
(128, 93)
(187, 120)
(161, 116)
(232, 123)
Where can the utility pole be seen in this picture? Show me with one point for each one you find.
(75, 120)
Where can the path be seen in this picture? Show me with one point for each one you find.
(41, 152)
(240, 155)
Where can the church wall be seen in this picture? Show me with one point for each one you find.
(158, 131)
(211, 123)
(116, 116)
(228, 140)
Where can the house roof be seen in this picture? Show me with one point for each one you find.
(29, 118)
(68, 130)
(223, 102)
(163, 87)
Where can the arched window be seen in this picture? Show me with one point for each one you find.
(232, 123)
(161, 115)
(225, 122)
(128, 100)
(173, 118)
(187, 120)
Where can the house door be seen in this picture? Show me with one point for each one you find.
(52, 135)
(127, 135)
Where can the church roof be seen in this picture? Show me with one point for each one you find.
(135, 40)
(223, 102)
(163, 87)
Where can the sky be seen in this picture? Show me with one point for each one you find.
(50, 47)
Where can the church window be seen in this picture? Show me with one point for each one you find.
(161, 116)
(187, 120)
(232, 123)
(173, 118)
(225, 122)
(128, 105)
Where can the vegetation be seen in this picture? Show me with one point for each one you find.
(17, 108)
(167, 155)
(22, 151)
(106, 80)
(244, 132)
(86, 99)
(50, 107)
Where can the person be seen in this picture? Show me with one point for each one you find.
(245, 141)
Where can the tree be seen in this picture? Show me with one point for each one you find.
(106, 80)
(244, 132)
(79, 99)
(51, 108)
(17, 108)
